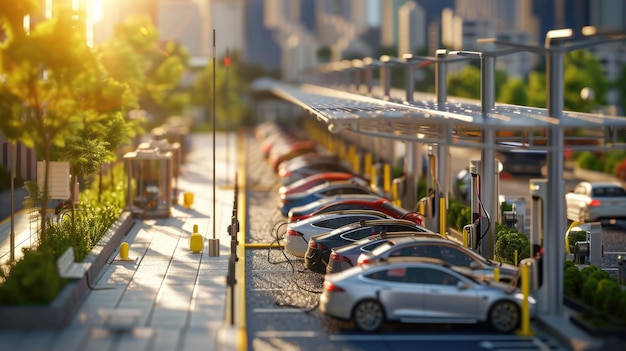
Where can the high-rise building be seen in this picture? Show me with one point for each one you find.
(412, 28)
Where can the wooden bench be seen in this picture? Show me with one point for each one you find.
(69, 269)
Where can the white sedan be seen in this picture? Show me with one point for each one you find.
(296, 240)
(596, 201)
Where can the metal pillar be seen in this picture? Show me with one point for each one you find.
(553, 241)
(409, 198)
(489, 199)
(445, 134)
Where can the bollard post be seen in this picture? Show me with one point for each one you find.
(124, 251)
(496, 274)
(195, 241)
(525, 310)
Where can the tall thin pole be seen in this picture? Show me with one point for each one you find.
(13, 165)
(214, 118)
(227, 65)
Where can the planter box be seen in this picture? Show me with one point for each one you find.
(59, 312)
(578, 308)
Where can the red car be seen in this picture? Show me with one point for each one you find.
(354, 202)
(319, 178)
(289, 150)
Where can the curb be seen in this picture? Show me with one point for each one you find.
(61, 310)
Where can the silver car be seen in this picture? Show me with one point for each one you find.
(344, 257)
(447, 250)
(420, 290)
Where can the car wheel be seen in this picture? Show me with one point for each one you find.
(368, 315)
(504, 316)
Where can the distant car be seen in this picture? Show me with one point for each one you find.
(292, 176)
(318, 253)
(306, 160)
(296, 240)
(324, 190)
(443, 249)
(596, 201)
(319, 178)
(290, 150)
(355, 203)
(519, 158)
(344, 257)
(420, 290)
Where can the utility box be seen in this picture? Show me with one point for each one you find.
(149, 192)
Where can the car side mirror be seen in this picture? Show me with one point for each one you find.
(474, 265)
(462, 285)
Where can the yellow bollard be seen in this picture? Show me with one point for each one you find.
(525, 319)
(442, 217)
(195, 241)
(188, 199)
(124, 251)
(496, 274)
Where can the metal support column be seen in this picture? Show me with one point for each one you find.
(445, 134)
(553, 238)
(489, 197)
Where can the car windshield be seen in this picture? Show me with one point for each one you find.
(390, 206)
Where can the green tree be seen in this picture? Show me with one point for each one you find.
(230, 107)
(465, 83)
(44, 70)
(152, 70)
(514, 92)
(582, 70)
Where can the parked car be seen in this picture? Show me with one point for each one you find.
(447, 250)
(319, 178)
(596, 201)
(361, 202)
(301, 212)
(318, 252)
(290, 177)
(519, 158)
(287, 151)
(296, 240)
(306, 160)
(419, 290)
(324, 190)
(346, 256)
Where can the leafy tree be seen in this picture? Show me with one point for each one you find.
(466, 83)
(48, 87)
(229, 108)
(151, 69)
(582, 70)
(514, 92)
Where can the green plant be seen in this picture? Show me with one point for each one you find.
(33, 279)
(30, 281)
(588, 160)
(508, 242)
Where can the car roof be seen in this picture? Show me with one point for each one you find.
(383, 236)
(373, 222)
(403, 240)
(338, 213)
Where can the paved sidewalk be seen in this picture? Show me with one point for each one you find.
(164, 297)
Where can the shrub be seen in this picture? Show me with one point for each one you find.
(590, 286)
(33, 279)
(508, 241)
(572, 281)
(588, 160)
(620, 170)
